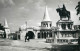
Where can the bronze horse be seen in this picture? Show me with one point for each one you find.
(63, 13)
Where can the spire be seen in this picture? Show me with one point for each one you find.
(46, 15)
(6, 24)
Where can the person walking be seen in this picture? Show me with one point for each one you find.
(26, 36)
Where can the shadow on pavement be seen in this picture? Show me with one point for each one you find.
(65, 48)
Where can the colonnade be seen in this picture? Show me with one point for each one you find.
(65, 26)
(45, 34)
(46, 24)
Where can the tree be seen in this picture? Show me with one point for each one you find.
(78, 8)
(1, 27)
(78, 12)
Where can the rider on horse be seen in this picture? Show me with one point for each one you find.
(63, 13)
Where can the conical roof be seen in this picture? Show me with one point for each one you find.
(46, 15)
(6, 24)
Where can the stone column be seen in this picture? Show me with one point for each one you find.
(7, 36)
(53, 34)
(72, 27)
(55, 39)
(36, 35)
(41, 35)
(48, 35)
(66, 26)
(58, 34)
(60, 27)
(48, 25)
(63, 35)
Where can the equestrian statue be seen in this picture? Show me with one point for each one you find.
(63, 13)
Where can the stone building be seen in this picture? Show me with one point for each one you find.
(77, 28)
(6, 27)
(1, 31)
(66, 32)
(4, 30)
(35, 32)
(46, 25)
(42, 31)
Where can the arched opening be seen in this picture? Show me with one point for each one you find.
(44, 34)
(30, 34)
(50, 25)
(69, 26)
(63, 26)
(38, 35)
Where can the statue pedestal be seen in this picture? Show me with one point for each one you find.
(64, 18)
(65, 24)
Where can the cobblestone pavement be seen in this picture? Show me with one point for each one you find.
(18, 45)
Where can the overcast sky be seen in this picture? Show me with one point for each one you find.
(17, 12)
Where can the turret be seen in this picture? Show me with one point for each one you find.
(7, 30)
(46, 22)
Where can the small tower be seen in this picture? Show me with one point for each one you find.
(7, 30)
(46, 23)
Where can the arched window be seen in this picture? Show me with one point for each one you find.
(50, 25)
(69, 26)
(79, 27)
(47, 25)
(63, 26)
(44, 25)
(42, 34)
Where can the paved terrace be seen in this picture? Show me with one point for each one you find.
(34, 45)
(18, 45)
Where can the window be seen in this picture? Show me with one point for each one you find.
(44, 25)
(50, 25)
(79, 27)
(47, 24)
(66, 40)
(63, 40)
(63, 26)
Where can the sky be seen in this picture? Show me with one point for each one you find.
(17, 12)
